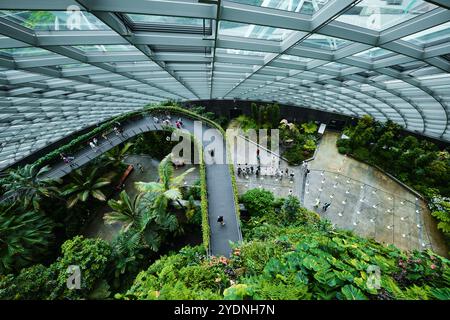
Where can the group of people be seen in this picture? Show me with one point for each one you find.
(325, 206)
(118, 128)
(167, 121)
(94, 144)
(248, 170)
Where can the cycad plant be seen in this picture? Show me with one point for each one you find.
(24, 236)
(126, 210)
(85, 187)
(28, 186)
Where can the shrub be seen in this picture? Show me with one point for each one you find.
(258, 201)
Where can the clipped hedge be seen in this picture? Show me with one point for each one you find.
(206, 230)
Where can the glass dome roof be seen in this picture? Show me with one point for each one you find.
(68, 64)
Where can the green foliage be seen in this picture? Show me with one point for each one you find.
(39, 18)
(309, 127)
(300, 144)
(33, 283)
(25, 236)
(27, 186)
(258, 201)
(115, 156)
(39, 282)
(238, 292)
(145, 143)
(125, 210)
(92, 256)
(86, 186)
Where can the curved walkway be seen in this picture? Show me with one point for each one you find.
(219, 186)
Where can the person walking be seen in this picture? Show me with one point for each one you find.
(239, 171)
(140, 167)
(220, 220)
(95, 141)
(316, 205)
(326, 206)
(93, 146)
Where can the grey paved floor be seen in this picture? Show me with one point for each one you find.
(220, 193)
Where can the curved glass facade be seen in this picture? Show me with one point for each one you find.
(67, 64)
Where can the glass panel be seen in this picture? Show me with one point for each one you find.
(141, 18)
(308, 7)
(26, 52)
(336, 65)
(294, 58)
(107, 48)
(324, 42)
(235, 29)
(241, 52)
(432, 36)
(55, 20)
(374, 53)
(381, 14)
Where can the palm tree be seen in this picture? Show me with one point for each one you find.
(116, 155)
(24, 236)
(28, 185)
(82, 188)
(125, 210)
(167, 188)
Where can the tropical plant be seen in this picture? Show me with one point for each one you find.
(115, 156)
(92, 256)
(125, 210)
(28, 185)
(258, 201)
(309, 127)
(84, 186)
(167, 188)
(25, 236)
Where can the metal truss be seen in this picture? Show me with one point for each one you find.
(388, 59)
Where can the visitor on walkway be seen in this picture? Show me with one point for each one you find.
(239, 170)
(290, 192)
(180, 122)
(220, 220)
(141, 168)
(251, 170)
(155, 120)
(178, 125)
(104, 136)
(95, 141)
(93, 146)
(326, 206)
(316, 205)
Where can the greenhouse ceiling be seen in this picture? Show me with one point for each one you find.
(68, 64)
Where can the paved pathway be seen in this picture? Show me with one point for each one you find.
(219, 186)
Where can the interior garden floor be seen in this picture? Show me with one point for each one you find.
(362, 198)
(97, 228)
